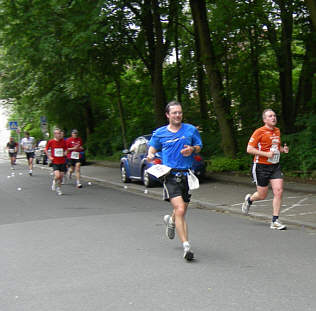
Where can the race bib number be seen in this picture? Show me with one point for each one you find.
(59, 152)
(12, 150)
(74, 155)
(276, 156)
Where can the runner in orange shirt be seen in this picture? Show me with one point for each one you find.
(265, 145)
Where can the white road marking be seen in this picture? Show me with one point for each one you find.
(295, 205)
(301, 214)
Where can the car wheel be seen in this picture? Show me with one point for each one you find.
(146, 179)
(124, 177)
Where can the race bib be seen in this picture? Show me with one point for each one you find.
(74, 155)
(59, 152)
(159, 170)
(276, 156)
(12, 150)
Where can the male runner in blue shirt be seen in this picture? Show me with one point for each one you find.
(177, 142)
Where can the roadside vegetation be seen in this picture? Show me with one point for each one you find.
(108, 68)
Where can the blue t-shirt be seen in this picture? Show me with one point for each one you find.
(170, 144)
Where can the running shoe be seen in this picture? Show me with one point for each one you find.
(79, 185)
(188, 254)
(170, 226)
(54, 185)
(58, 190)
(277, 225)
(30, 172)
(246, 206)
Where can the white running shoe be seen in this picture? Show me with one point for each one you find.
(79, 185)
(170, 226)
(188, 254)
(58, 190)
(30, 172)
(277, 225)
(246, 206)
(54, 185)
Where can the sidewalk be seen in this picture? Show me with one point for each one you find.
(224, 192)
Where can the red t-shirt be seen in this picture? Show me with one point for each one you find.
(72, 142)
(265, 139)
(58, 148)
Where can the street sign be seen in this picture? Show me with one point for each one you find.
(43, 120)
(13, 125)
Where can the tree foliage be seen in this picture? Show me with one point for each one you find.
(109, 67)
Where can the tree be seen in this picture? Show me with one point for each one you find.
(208, 57)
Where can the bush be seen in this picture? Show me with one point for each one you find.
(225, 164)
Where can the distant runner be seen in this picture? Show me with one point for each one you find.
(58, 151)
(265, 145)
(28, 145)
(74, 146)
(12, 147)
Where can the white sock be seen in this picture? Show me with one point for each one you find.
(186, 244)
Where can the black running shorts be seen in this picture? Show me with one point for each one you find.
(12, 154)
(262, 173)
(29, 155)
(59, 167)
(176, 186)
(72, 162)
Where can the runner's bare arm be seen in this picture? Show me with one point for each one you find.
(254, 151)
(151, 153)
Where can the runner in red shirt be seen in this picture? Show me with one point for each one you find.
(58, 150)
(74, 146)
(265, 145)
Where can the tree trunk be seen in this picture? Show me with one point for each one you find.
(285, 62)
(283, 54)
(89, 120)
(178, 63)
(305, 86)
(311, 4)
(121, 112)
(221, 106)
(200, 79)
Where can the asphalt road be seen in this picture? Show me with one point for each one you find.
(102, 248)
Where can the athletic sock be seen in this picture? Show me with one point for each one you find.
(274, 218)
(186, 244)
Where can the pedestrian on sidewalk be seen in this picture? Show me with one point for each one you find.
(178, 142)
(28, 145)
(265, 145)
(12, 147)
(58, 151)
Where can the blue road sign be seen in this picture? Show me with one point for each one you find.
(43, 120)
(13, 125)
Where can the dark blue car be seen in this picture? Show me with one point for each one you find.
(134, 164)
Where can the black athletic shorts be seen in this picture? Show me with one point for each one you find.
(29, 155)
(12, 154)
(262, 173)
(72, 162)
(59, 167)
(174, 186)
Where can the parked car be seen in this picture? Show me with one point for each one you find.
(40, 155)
(134, 165)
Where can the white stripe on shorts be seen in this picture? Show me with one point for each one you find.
(254, 174)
